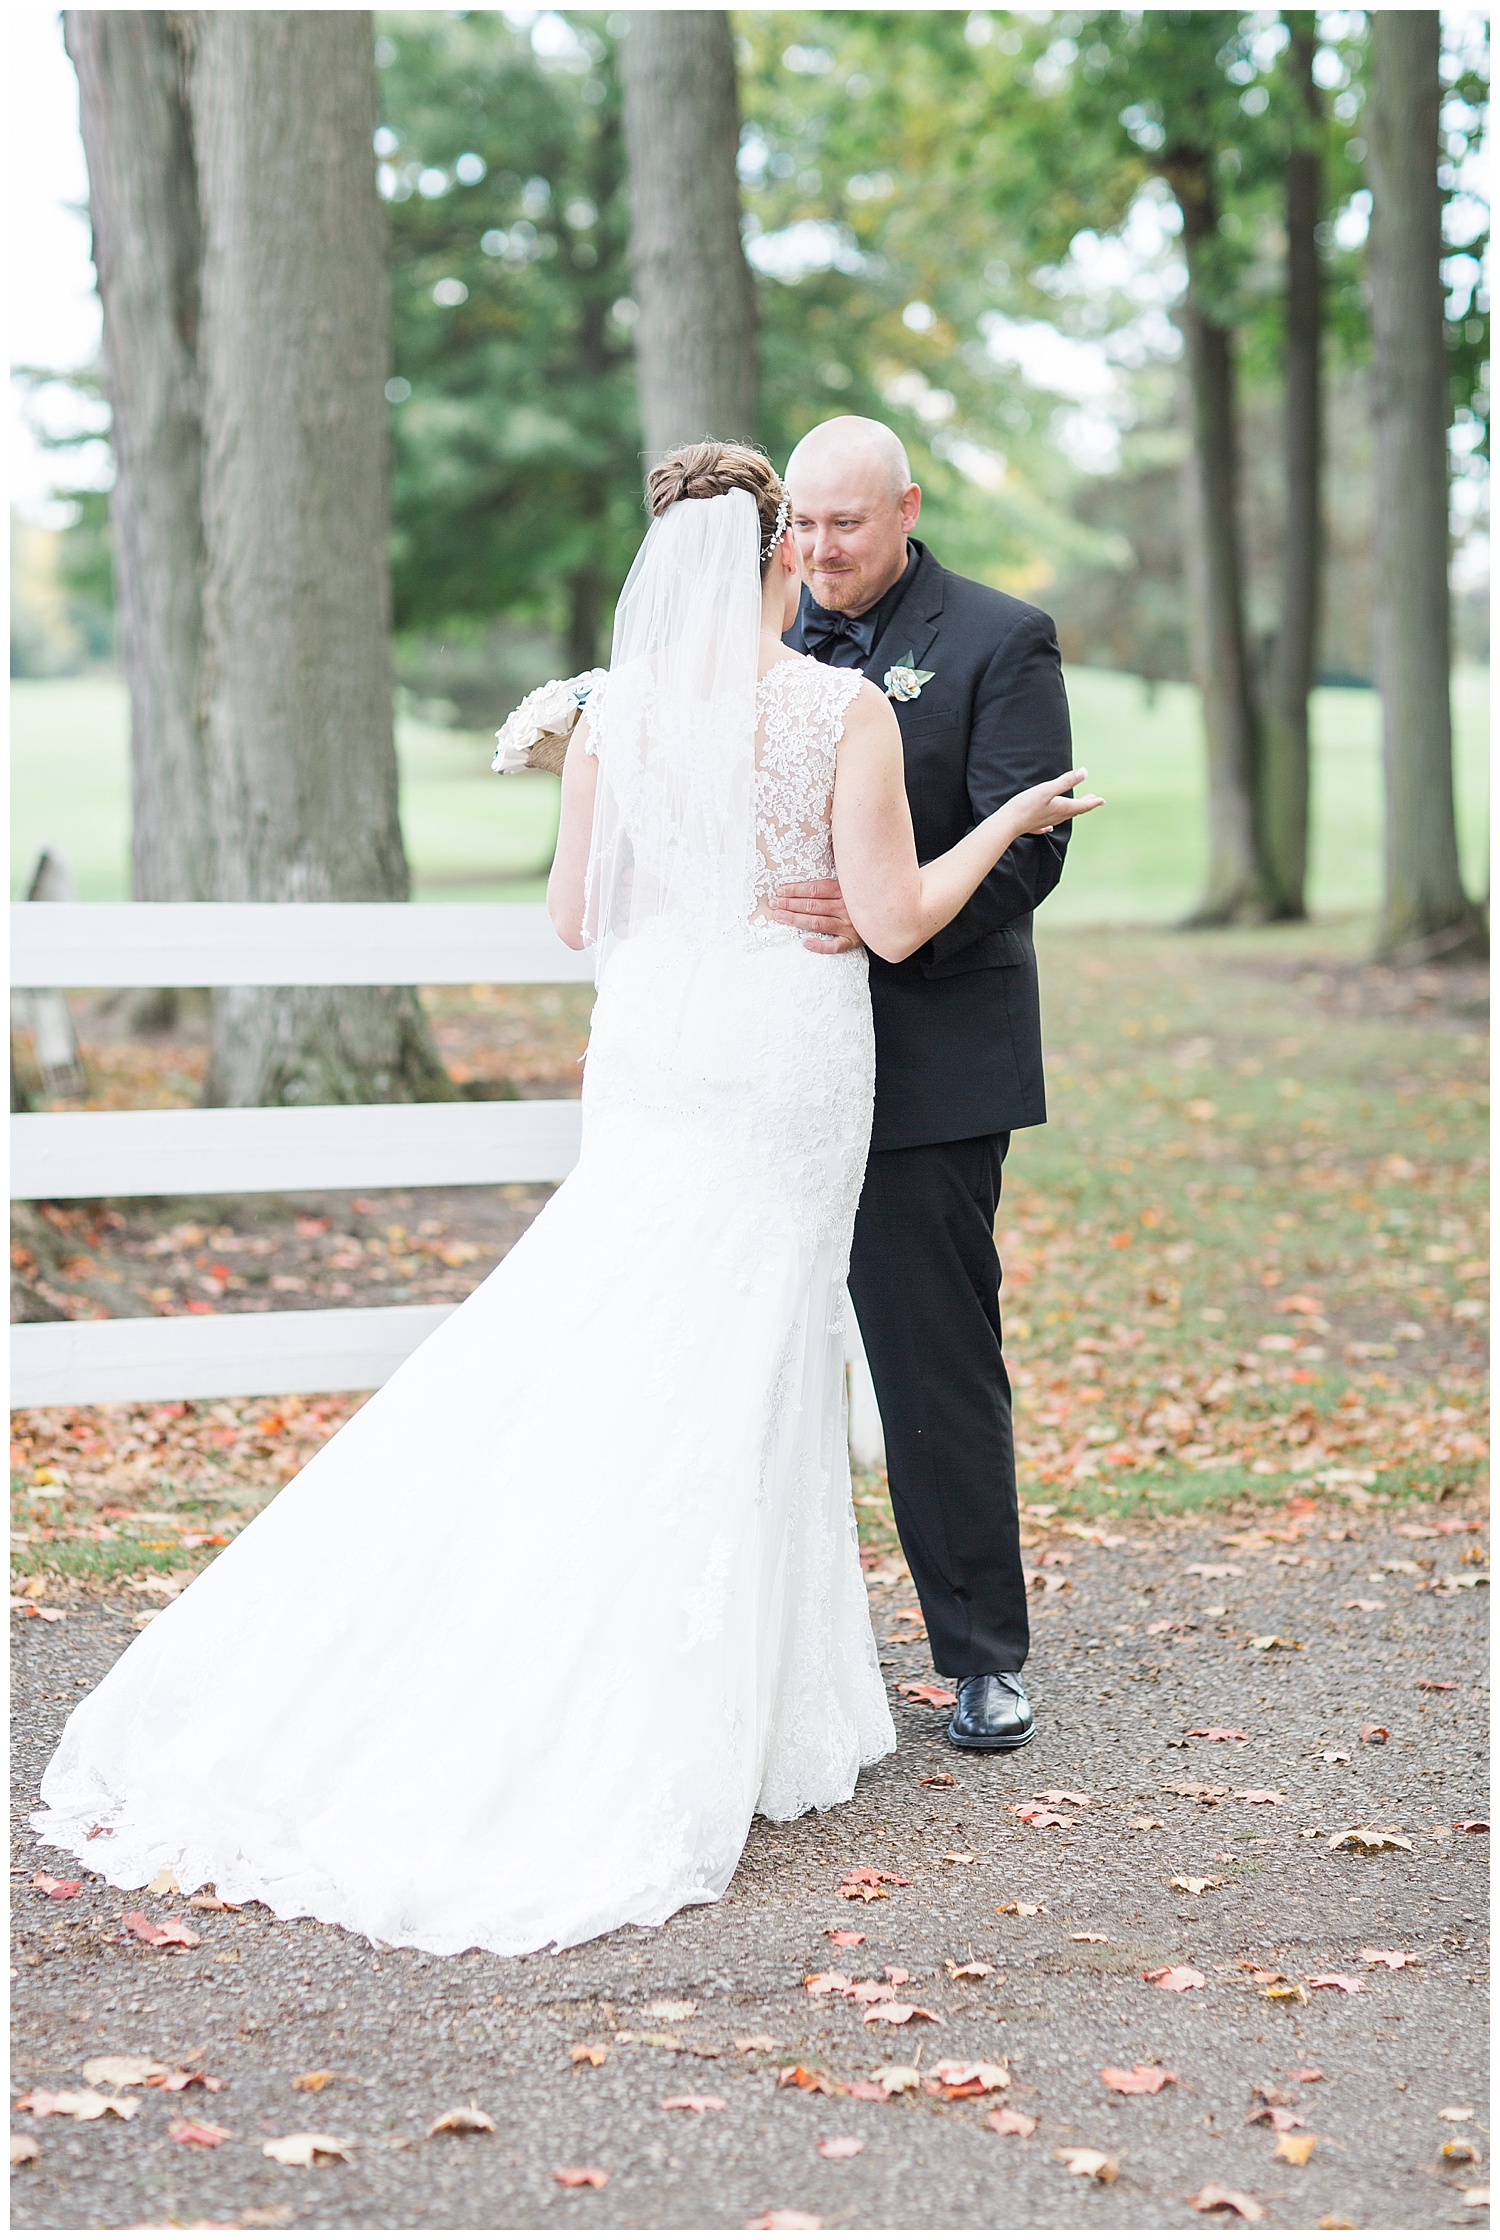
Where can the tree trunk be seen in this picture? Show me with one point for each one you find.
(296, 691)
(1285, 771)
(695, 338)
(1426, 912)
(144, 211)
(1236, 890)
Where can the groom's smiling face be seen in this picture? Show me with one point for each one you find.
(851, 527)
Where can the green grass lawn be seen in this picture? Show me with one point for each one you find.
(472, 837)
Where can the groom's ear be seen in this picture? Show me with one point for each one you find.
(911, 507)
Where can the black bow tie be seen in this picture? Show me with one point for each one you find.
(843, 641)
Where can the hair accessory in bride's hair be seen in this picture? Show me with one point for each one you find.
(783, 516)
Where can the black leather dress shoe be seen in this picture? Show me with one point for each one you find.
(992, 1713)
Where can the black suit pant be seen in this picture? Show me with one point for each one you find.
(924, 1276)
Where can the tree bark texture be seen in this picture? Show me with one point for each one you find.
(1236, 889)
(1286, 757)
(296, 684)
(143, 207)
(1426, 912)
(695, 338)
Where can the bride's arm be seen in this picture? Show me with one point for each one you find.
(575, 826)
(894, 902)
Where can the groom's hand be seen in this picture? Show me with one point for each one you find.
(816, 908)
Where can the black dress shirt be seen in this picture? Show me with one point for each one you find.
(846, 641)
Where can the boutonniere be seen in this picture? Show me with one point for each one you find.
(903, 681)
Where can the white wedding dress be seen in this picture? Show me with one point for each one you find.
(517, 1656)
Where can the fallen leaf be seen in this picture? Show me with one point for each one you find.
(1087, 1936)
(1306, 2076)
(958, 1858)
(937, 1781)
(172, 1932)
(1062, 1796)
(23, 2149)
(1336, 1757)
(121, 2069)
(1087, 2162)
(1296, 1992)
(755, 2045)
(1392, 1960)
(1214, 1571)
(898, 1975)
(1198, 1791)
(1259, 1796)
(845, 1937)
(1374, 1734)
(1041, 1816)
(1364, 1602)
(1222, 2197)
(785, 2220)
(1280, 2119)
(209, 1901)
(1475, 2197)
(86, 2107)
(967, 2080)
(923, 1691)
(1370, 1839)
(305, 2150)
(830, 1981)
(312, 2080)
(1142, 2078)
(897, 2080)
(50, 1887)
(1331, 2223)
(1296, 2149)
(695, 2103)
(895, 2013)
(178, 2080)
(804, 2079)
(1472, 1827)
(959, 1969)
(671, 2010)
(1141, 1826)
(581, 2177)
(1010, 2123)
(595, 2056)
(198, 2134)
(1335, 1983)
(1460, 2150)
(1020, 1907)
(1268, 1641)
(164, 1885)
(1174, 1979)
(1455, 2115)
(1196, 1884)
(1439, 1687)
(840, 2150)
(1218, 1734)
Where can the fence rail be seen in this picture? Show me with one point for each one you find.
(348, 1147)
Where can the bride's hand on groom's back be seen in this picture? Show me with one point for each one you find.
(816, 908)
(1041, 808)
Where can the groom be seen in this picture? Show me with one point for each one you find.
(976, 682)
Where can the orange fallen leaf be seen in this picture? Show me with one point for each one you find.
(1334, 1983)
(841, 2149)
(1279, 2119)
(198, 2134)
(845, 1937)
(866, 2089)
(1174, 1979)
(1306, 2076)
(312, 2080)
(830, 1980)
(1010, 2123)
(595, 2056)
(1377, 1735)
(1222, 2197)
(170, 1932)
(873, 1876)
(785, 2220)
(1472, 1827)
(50, 1886)
(594, 2178)
(695, 2103)
(1295, 2149)
(178, 2080)
(803, 2079)
(894, 2012)
(1038, 1815)
(968, 2080)
(923, 1691)
(305, 2150)
(937, 1781)
(1142, 2078)
(1391, 1960)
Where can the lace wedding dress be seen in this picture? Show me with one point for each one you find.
(520, 1652)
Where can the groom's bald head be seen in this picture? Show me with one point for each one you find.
(853, 502)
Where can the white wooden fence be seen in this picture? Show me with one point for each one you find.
(346, 1147)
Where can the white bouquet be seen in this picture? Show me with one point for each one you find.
(535, 736)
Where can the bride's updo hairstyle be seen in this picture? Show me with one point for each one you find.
(712, 470)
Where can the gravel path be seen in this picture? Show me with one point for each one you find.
(1131, 1653)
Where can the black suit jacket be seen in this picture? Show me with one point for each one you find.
(958, 1035)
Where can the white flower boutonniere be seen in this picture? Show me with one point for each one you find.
(904, 681)
(536, 735)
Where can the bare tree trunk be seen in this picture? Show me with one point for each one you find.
(296, 689)
(695, 339)
(1286, 765)
(1426, 912)
(144, 210)
(1236, 890)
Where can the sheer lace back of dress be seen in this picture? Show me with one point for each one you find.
(800, 709)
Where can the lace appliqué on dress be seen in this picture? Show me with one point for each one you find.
(802, 706)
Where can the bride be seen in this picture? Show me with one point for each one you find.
(517, 1656)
